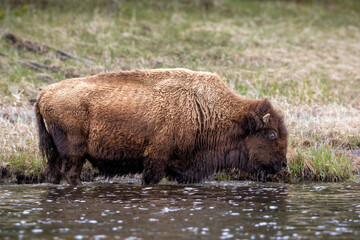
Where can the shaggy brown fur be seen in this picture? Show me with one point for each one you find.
(174, 122)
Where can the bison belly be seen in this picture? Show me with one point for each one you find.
(115, 149)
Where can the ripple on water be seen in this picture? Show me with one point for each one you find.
(169, 209)
(37, 230)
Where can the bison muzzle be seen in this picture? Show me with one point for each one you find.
(177, 123)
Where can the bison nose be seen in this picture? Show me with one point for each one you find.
(284, 164)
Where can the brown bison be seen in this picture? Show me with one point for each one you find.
(177, 123)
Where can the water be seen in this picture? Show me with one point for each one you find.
(226, 210)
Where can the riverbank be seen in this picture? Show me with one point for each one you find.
(303, 56)
(11, 175)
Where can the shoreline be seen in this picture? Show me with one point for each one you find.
(89, 174)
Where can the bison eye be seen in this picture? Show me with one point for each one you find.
(272, 135)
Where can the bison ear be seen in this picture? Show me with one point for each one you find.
(266, 118)
(258, 117)
(264, 107)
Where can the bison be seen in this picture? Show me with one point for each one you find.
(178, 123)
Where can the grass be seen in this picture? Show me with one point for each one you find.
(24, 164)
(320, 163)
(304, 57)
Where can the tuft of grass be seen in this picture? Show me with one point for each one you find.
(223, 176)
(29, 164)
(320, 163)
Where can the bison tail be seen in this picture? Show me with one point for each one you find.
(46, 143)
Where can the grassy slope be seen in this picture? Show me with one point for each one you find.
(304, 57)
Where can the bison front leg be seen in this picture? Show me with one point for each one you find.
(71, 170)
(190, 176)
(154, 170)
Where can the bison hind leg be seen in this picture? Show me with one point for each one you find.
(53, 173)
(71, 169)
(71, 149)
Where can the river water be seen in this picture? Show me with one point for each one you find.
(212, 210)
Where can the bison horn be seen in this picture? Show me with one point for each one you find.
(266, 118)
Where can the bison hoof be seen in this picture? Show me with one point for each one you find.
(261, 175)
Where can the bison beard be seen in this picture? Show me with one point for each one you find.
(179, 123)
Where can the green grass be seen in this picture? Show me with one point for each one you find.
(304, 57)
(320, 163)
(20, 161)
(22, 167)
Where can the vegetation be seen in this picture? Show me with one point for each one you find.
(302, 55)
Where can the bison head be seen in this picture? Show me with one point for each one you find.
(266, 140)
